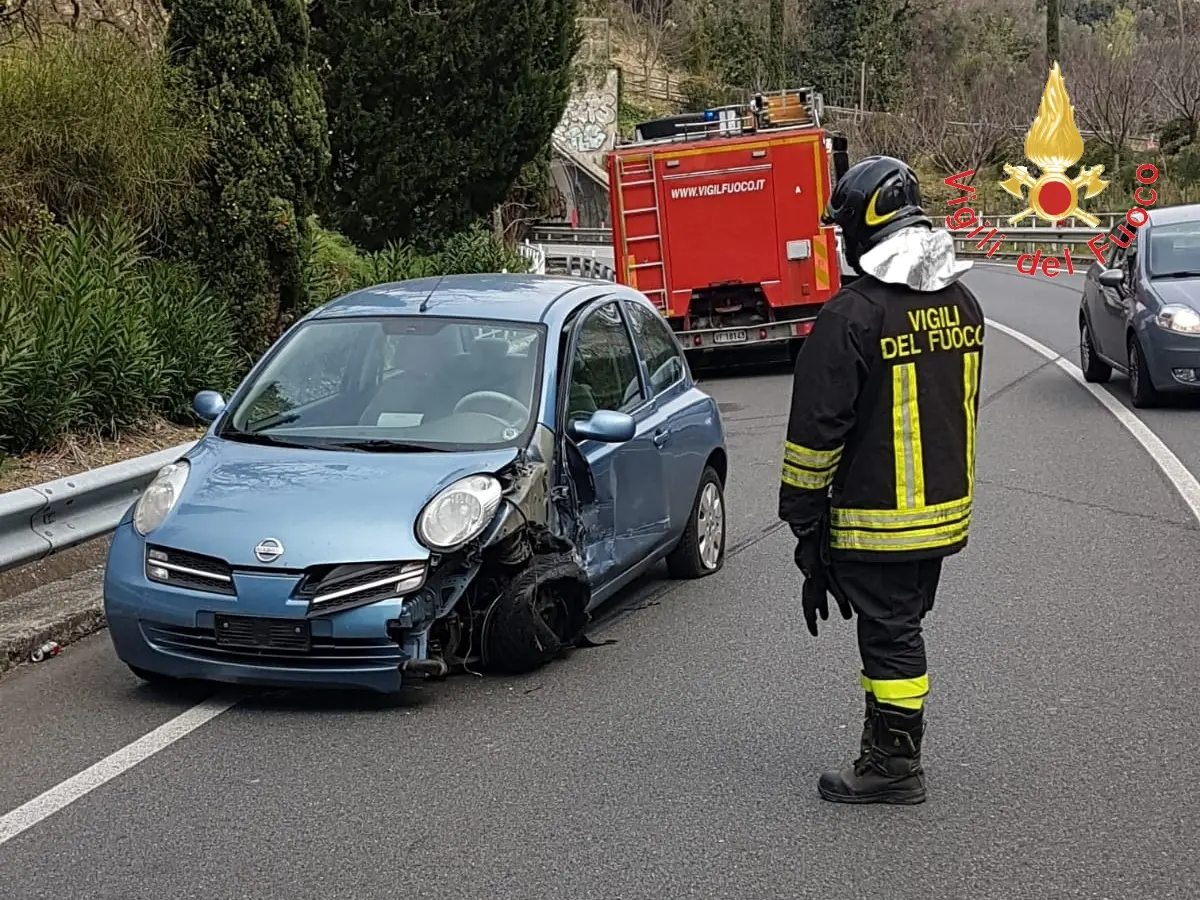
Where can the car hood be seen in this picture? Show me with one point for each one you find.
(323, 506)
(1178, 290)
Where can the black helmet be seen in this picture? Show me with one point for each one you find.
(876, 197)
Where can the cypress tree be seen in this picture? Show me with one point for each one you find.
(435, 106)
(259, 101)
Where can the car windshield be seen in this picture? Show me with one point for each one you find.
(394, 384)
(1175, 250)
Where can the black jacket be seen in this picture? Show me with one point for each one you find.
(882, 425)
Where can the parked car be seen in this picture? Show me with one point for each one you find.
(1140, 310)
(421, 476)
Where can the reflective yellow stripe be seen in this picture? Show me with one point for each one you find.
(908, 693)
(866, 685)
(806, 479)
(821, 261)
(971, 362)
(906, 438)
(809, 469)
(800, 455)
(930, 516)
(899, 541)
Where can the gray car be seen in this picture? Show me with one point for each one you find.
(1140, 309)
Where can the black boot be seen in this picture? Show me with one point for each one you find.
(868, 715)
(889, 768)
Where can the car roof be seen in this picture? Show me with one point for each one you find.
(1173, 215)
(511, 297)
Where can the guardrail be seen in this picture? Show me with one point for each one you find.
(38, 521)
(535, 256)
(1017, 241)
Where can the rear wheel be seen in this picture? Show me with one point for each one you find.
(1095, 369)
(701, 550)
(1141, 389)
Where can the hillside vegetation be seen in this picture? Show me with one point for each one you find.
(180, 183)
(950, 85)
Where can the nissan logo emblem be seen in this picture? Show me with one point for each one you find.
(268, 550)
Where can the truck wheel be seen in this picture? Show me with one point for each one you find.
(794, 347)
(701, 550)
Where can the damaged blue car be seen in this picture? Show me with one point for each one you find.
(422, 477)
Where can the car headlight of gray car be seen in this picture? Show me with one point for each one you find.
(160, 496)
(459, 513)
(1178, 318)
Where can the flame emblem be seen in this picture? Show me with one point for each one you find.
(1054, 144)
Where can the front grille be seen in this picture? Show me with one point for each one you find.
(189, 570)
(322, 653)
(328, 588)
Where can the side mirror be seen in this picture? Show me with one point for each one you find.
(208, 405)
(605, 426)
(1111, 278)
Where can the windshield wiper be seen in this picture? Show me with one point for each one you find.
(383, 445)
(1183, 273)
(258, 437)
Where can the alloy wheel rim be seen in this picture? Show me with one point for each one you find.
(711, 525)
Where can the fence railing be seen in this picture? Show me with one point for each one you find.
(533, 255)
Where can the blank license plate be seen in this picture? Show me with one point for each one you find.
(729, 337)
(253, 633)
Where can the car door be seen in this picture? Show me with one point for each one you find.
(1108, 316)
(628, 518)
(676, 412)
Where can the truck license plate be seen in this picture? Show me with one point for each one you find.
(729, 337)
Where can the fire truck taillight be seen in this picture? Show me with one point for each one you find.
(762, 334)
(697, 341)
(803, 328)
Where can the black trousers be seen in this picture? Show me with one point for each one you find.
(889, 600)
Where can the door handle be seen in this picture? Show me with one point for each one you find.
(661, 437)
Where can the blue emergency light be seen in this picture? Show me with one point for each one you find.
(710, 115)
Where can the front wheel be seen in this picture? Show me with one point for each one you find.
(1095, 369)
(701, 550)
(1141, 389)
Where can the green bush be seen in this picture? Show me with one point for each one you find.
(89, 126)
(95, 337)
(258, 99)
(331, 265)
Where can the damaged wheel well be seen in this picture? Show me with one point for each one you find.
(720, 463)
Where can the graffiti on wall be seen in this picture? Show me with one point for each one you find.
(589, 123)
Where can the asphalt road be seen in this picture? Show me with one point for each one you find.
(681, 760)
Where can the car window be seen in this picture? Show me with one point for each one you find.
(1174, 249)
(311, 368)
(415, 380)
(1117, 256)
(664, 358)
(604, 371)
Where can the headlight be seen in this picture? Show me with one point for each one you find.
(159, 498)
(1179, 318)
(459, 513)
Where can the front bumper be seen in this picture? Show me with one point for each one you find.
(171, 630)
(1173, 360)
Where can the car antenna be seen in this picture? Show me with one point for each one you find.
(425, 303)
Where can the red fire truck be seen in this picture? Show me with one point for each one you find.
(716, 218)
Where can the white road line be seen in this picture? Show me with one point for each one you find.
(62, 795)
(1177, 473)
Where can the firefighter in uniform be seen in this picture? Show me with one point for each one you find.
(879, 463)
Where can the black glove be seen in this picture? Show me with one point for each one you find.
(814, 600)
(812, 559)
